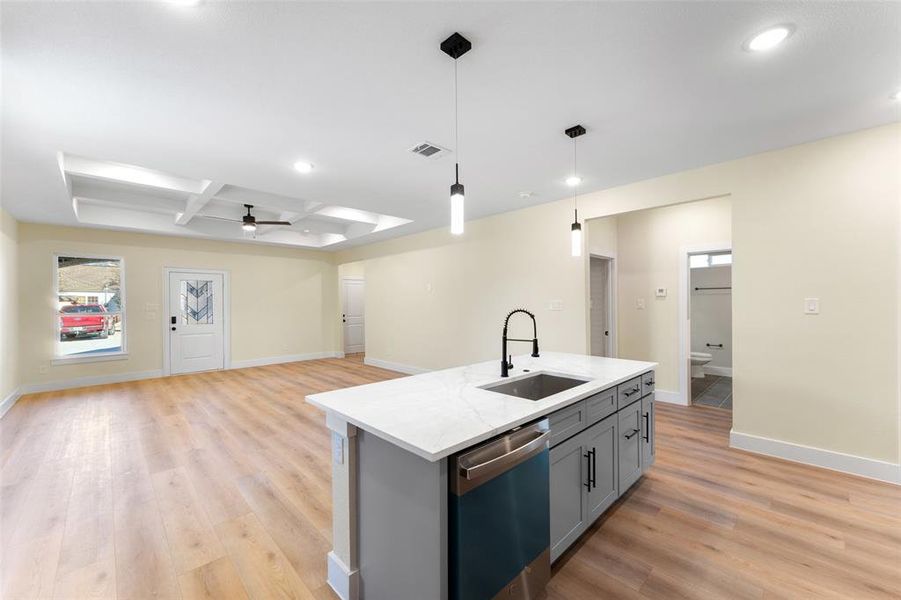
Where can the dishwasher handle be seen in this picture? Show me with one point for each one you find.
(528, 442)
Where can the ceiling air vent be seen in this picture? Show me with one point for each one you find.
(429, 150)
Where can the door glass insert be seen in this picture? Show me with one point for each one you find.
(197, 302)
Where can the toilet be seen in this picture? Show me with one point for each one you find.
(698, 360)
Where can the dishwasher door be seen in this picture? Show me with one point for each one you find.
(499, 518)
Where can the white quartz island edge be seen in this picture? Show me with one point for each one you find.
(436, 414)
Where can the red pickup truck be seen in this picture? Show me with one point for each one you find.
(85, 319)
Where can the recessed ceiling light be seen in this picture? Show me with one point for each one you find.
(897, 95)
(303, 167)
(769, 39)
(573, 180)
(306, 231)
(184, 2)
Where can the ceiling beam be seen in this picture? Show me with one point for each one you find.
(198, 201)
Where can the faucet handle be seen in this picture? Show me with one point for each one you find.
(510, 361)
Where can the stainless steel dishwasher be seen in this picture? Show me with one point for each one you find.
(499, 517)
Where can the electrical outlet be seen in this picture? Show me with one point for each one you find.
(639, 303)
(811, 306)
(337, 449)
(555, 305)
(660, 292)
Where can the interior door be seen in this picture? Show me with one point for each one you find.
(599, 290)
(353, 316)
(196, 322)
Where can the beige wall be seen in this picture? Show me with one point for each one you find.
(648, 257)
(815, 219)
(282, 300)
(9, 303)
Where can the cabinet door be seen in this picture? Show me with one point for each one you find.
(569, 476)
(629, 446)
(647, 432)
(601, 444)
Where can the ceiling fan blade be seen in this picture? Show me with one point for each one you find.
(273, 223)
(220, 218)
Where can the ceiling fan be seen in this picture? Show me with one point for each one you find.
(248, 222)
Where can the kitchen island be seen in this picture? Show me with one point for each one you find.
(393, 441)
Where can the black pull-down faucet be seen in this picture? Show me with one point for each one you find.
(507, 364)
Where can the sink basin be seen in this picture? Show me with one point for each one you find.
(535, 387)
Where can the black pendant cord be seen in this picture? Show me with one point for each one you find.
(575, 187)
(457, 173)
(456, 124)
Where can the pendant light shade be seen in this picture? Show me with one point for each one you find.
(457, 199)
(456, 46)
(576, 234)
(573, 181)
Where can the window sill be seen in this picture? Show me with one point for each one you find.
(75, 359)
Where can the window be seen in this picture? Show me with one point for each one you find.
(702, 261)
(90, 311)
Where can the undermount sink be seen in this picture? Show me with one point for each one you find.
(535, 387)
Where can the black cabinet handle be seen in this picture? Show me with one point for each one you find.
(589, 456)
(634, 390)
(594, 468)
(651, 382)
(647, 427)
(714, 345)
(631, 435)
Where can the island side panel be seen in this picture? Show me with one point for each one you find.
(402, 522)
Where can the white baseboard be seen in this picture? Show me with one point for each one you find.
(276, 360)
(721, 371)
(393, 366)
(77, 382)
(670, 397)
(341, 579)
(9, 401)
(818, 457)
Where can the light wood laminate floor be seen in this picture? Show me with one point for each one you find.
(217, 486)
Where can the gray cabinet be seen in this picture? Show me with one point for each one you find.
(583, 482)
(628, 392)
(567, 422)
(601, 448)
(629, 446)
(647, 432)
(569, 480)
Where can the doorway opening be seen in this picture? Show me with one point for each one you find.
(601, 305)
(352, 316)
(196, 321)
(709, 327)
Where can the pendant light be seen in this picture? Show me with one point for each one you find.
(456, 46)
(574, 180)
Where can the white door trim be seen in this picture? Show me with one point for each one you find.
(226, 312)
(611, 302)
(685, 315)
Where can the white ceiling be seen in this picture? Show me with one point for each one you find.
(236, 93)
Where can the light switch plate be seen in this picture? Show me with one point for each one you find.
(555, 305)
(639, 303)
(811, 306)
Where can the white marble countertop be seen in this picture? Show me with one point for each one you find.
(439, 413)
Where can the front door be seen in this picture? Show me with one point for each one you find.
(353, 316)
(196, 322)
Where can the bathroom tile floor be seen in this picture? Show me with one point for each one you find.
(712, 390)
